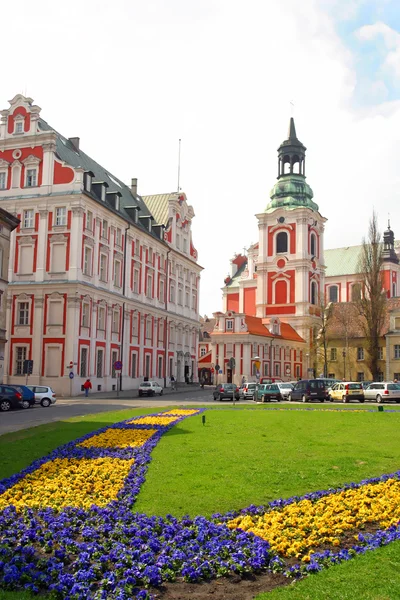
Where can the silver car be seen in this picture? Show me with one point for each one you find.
(382, 391)
(44, 395)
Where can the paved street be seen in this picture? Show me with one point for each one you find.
(66, 408)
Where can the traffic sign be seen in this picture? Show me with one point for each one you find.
(27, 367)
(118, 365)
(217, 367)
(71, 375)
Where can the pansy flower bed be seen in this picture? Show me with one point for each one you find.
(68, 526)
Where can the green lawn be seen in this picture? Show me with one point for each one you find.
(242, 457)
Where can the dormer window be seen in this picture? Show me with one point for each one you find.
(88, 181)
(19, 127)
(31, 178)
(229, 325)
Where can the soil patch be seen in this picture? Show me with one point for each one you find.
(224, 588)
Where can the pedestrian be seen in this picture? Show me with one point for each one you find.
(87, 386)
(243, 380)
(202, 382)
(173, 383)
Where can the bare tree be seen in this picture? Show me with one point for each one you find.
(371, 302)
(322, 338)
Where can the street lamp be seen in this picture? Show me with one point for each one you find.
(308, 364)
(344, 364)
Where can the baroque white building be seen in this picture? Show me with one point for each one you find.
(97, 273)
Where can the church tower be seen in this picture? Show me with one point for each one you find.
(290, 269)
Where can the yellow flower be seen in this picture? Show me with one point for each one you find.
(152, 421)
(119, 438)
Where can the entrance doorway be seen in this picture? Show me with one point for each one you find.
(229, 375)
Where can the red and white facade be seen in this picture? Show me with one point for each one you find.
(92, 281)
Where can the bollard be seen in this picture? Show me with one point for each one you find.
(380, 408)
(203, 419)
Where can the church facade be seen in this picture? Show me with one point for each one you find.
(285, 280)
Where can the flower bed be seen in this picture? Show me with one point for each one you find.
(67, 524)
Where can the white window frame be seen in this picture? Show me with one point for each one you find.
(161, 291)
(23, 310)
(136, 280)
(101, 318)
(229, 324)
(360, 353)
(117, 273)
(396, 349)
(19, 361)
(87, 260)
(85, 314)
(148, 328)
(149, 286)
(60, 216)
(89, 220)
(333, 354)
(115, 322)
(118, 236)
(19, 126)
(104, 229)
(3, 179)
(31, 177)
(28, 221)
(103, 267)
(135, 323)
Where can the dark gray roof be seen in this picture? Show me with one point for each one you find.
(68, 153)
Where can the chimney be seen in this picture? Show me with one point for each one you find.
(75, 142)
(134, 185)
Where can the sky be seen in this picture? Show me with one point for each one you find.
(132, 77)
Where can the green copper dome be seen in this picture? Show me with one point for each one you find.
(291, 191)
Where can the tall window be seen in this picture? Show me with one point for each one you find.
(118, 237)
(380, 353)
(180, 296)
(313, 292)
(160, 365)
(28, 218)
(114, 358)
(99, 363)
(19, 127)
(31, 178)
(89, 220)
(149, 290)
(85, 314)
(104, 229)
(87, 261)
(397, 350)
(20, 357)
(148, 328)
(355, 292)
(115, 321)
(229, 325)
(333, 293)
(313, 245)
(360, 353)
(117, 273)
(134, 365)
(101, 318)
(136, 281)
(3, 180)
(134, 326)
(282, 242)
(172, 293)
(333, 353)
(103, 267)
(147, 366)
(161, 291)
(23, 313)
(84, 362)
(61, 216)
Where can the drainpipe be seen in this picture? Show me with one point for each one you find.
(121, 354)
(166, 320)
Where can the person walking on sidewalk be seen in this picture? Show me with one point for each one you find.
(173, 383)
(87, 386)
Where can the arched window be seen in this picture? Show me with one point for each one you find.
(282, 242)
(355, 292)
(313, 245)
(333, 293)
(313, 292)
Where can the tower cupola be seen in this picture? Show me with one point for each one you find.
(291, 154)
(291, 190)
(389, 253)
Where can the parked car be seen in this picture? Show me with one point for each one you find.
(28, 397)
(269, 391)
(382, 391)
(150, 388)
(285, 388)
(366, 384)
(43, 394)
(247, 390)
(270, 379)
(226, 390)
(346, 391)
(10, 398)
(309, 389)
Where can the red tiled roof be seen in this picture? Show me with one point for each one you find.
(288, 333)
(239, 260)
(256, 327)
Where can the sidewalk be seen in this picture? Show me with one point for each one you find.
(130, 394)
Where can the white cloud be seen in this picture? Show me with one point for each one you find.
(391, 39)
(131, 78)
